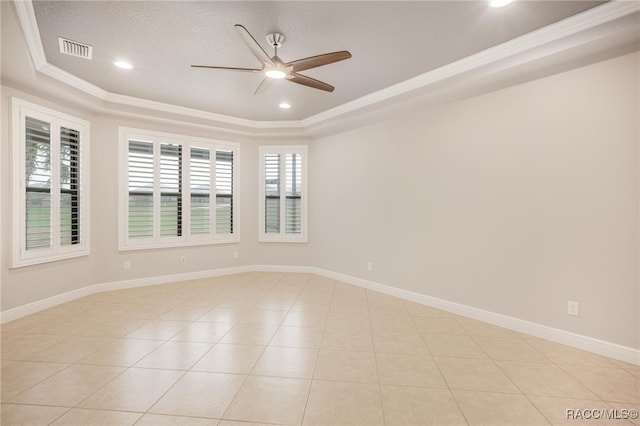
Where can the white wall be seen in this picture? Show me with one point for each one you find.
(514, 202)
(24, 285)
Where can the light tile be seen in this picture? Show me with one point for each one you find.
(175, 355)
(136, 389)
(418, 310)
(297, 337)
(339, 403)
(610, 384)
(347, 366)
(308, 350)
(562, 354)
(158, 330)
(382, 301)
(311, 302)
(449, 326)
(226, 358)
(398, 324)
(78, 382)
(184, 313)
(250, 334)
(122, 352)
(453, 346)
(479, 328)
(474, 374)
(108, 326)
(165, 420)
(352, 296)
(286, 362)
(345, 307)
(485, 408)
(631, 368)
(510, 349)
(626, 411)
(33, 324)
(345, 339)
(544, 380)
(207, 332)
(78, 416)
(419, 406)
(568, 412)
(349, 320)
(185, 398)
(409, 370)
(20, 346)
(305, 318)
(398, 342)
(144, 312)
(263, 317)
(222, 315)
(29, 415)
(18, 376)
(71, 350)
(270, 400)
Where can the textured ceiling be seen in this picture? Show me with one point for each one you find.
(390, 42)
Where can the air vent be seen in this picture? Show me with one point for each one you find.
(74, 48)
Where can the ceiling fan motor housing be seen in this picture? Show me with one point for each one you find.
(275, 39)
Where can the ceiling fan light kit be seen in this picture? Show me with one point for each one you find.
(274, 68)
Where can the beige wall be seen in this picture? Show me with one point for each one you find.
(513, 202)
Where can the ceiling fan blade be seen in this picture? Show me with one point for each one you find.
(318, 61)
(264, 85)
(311, 82)
(227, 68)
(253, 45)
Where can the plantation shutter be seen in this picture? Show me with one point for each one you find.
(49, 165)
(272, 193)
(170, 190)
(69, 186)
(293, 202)
(283, 198)
(38, 209)
(200, 188)
(140, 172)
(224, 192)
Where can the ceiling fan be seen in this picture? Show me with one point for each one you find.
(274, 68)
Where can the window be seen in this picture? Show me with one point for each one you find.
(283, 194)
(50, 159)
(177, 190)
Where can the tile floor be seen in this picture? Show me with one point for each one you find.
(273, 348)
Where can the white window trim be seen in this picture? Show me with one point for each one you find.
(20, 256)
(124, 242)
(281, 237)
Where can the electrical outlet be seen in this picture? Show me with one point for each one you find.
(183, 259)
(235, 254)
(127, 265)
(573, 308)
(369, 266)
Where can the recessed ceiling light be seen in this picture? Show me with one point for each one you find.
(284, 105)
(124, 65)
(499, 3)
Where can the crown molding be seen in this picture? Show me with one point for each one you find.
(588, 26)
(522, 49)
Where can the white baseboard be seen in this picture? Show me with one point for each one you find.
(40, 305)
(601, 347)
